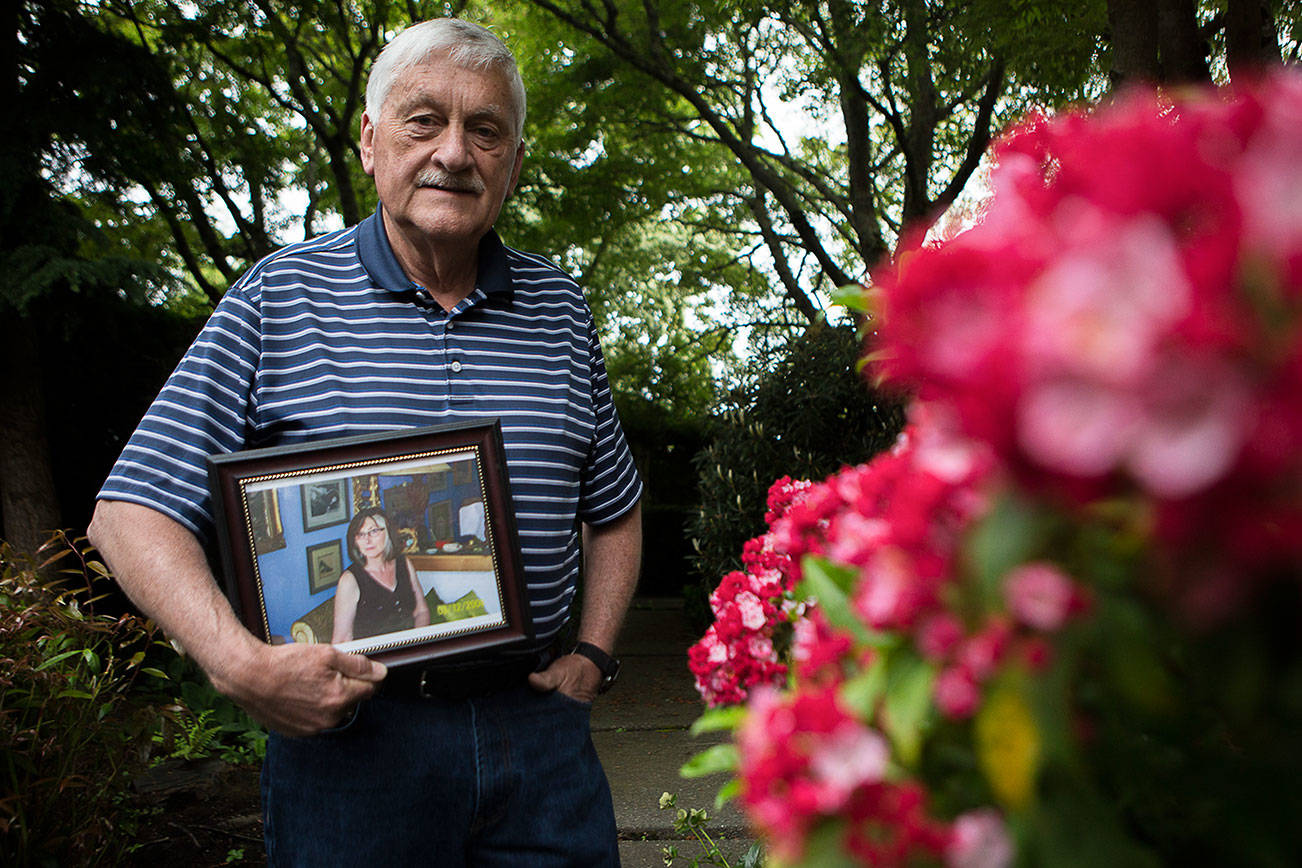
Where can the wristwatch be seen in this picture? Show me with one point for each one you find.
(608, 665)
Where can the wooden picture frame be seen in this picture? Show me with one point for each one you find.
(475, 594)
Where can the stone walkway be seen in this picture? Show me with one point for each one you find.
(641, 732)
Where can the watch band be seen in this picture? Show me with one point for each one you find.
(608, 665)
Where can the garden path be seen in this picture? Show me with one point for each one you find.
(641, 732)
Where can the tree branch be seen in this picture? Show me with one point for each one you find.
(780, 264)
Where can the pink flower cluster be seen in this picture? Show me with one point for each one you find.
(899, 523)
(1128, 316)
(897, 520)
(806, 758)
(738, 652)
(1126, 322)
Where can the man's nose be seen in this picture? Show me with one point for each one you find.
(453, 151)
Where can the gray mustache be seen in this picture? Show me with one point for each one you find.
(464, 183)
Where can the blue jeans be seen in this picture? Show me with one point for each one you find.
(506, 779)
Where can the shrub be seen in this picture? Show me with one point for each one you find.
(71, 735)
(806, 415)
(1058, 624)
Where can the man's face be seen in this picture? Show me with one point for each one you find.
(443, 152)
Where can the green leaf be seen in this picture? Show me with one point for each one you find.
(830, 584)
(825, 847)
(853, 297)
(91, 659)
(862, 692)
(712, 760)
(908, 702)
(57, 659)
(727, 793)
(73, 693)
(715, 719)
(1009, 535)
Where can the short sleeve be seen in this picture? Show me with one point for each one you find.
(610, 484)
(205, 407)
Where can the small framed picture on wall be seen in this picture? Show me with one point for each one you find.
(325, 503)
(325, 563)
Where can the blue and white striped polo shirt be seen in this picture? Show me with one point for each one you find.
(323, 339)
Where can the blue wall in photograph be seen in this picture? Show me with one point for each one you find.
(287, 601)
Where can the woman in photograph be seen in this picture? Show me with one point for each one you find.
(379, 593)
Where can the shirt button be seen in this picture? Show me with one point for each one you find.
(456, 367)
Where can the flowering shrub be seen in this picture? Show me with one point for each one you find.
(1058, 619)
(741, 649)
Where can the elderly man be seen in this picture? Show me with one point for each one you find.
(417, 315)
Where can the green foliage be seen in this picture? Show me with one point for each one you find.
(712, 761)
(97, 113)
(638, 212)
(194, 735)
(806, 414)
(70, 728)
(87, 701)
(1054, 51)
(199, 722)
(844, 121)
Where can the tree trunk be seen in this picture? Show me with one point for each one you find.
(1133, 25)
(1250, 40)
(1182, 50)
(30, 509)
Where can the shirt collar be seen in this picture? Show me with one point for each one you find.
(494, 274)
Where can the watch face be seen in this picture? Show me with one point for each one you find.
(609, 675)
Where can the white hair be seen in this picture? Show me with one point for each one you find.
(466, 44)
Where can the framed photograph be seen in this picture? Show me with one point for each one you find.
(408, 550)
(324, 504)
(325, 564)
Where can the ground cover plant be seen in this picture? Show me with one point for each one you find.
(89, 702)
(71, 732)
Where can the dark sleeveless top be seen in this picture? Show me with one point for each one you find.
(380, 610)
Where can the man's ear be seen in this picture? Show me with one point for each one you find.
(515, 170)
(368, 144)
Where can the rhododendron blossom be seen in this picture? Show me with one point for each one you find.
(980, 840)
(1130, 314)
(738, 653)
(1039, 595)
(1105, 375)
(805, 758)
(957, 692)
